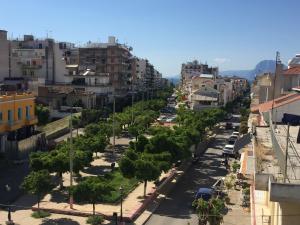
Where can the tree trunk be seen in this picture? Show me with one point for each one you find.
(38, 202)
(145, 187)
(77, 131)
(61, 184)
(93, 209)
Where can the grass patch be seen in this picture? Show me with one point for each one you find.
(40, 214)
(116, 179)
(95, 220)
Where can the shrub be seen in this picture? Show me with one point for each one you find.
(95, 220)
(40, 214)
(235, 166)
(246, 191)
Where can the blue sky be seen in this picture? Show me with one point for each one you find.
(234, 34)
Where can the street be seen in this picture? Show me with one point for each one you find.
(176, 208)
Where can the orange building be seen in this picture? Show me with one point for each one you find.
(17, 117)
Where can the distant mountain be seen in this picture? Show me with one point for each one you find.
(175, 79)
(263, 66)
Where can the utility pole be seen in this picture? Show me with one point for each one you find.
(286, 151)
(132, 101)
(71, 152)
(114, 110)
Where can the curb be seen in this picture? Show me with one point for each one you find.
(140, 209)
(153, 195)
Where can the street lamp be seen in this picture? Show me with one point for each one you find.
(71, 154)
(8, 189)
(121, 210)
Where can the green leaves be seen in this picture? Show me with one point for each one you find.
(92, 189)
(146, 170)
(37, 183)
(43, 114)
(211, 211)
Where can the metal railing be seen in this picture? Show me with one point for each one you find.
(291, 163)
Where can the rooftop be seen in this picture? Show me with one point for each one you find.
(292, 71)
(267, 106)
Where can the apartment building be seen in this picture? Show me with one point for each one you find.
(204, 88)
(4, 55)
(194, 68)
(17, 117)
(39, 61)
(275, 103)
(106, 69)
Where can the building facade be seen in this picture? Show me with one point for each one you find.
(17, 117)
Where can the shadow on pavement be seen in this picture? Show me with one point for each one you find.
(60, 221)
(205, 173)
(97, 170)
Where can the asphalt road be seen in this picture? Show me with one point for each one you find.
(176, 208)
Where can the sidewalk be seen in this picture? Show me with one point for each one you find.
(236, 215)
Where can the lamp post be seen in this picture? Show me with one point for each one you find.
(71, 153)
(9, 221)
(121, 210)
(132, 100)
(114, 111)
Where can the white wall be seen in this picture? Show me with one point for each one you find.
(292, 108)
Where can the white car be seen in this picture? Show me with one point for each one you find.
(228, 150)
(236, 133)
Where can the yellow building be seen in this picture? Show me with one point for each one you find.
(17, 117)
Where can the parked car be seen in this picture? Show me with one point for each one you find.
(235, 137)
(204, 193)
(236, 133)
(230, 151)
(231, 141)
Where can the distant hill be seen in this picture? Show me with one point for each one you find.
(263, 66)
(175, 79)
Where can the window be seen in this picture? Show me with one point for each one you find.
(19, 113)
(27, 112)
(1, 116)
(32, 73)
(9, 115)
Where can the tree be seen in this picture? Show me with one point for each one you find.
(127, 167)
(91, 116)
(135, 130)
(58, 162)
(37, 183)
(98, 143)
(209, 211)
(76, 120)
(92, 129)
(43, 114)
(146, 171)
(244, 127)
(140, 144)
(92, 190)
(78, 103)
